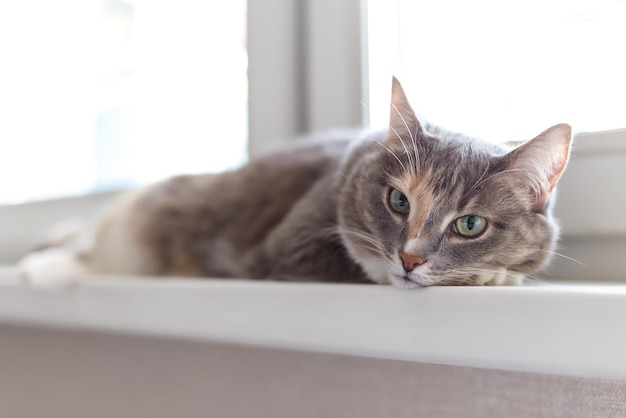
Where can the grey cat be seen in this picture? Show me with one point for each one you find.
(414, 206)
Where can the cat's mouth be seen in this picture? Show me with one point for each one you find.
(404, 281)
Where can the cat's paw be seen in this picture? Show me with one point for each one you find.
(52, 267)
(501, 277)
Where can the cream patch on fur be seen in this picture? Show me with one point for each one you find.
(421, 199)
(375, 268)
(117, 248)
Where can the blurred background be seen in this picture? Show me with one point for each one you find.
(101, 95)
(105, 94)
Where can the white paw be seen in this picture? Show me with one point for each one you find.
(501, 277)
(52, 267)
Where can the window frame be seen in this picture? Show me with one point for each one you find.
(293, 87)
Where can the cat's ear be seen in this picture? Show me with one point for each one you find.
(539, 163)
(402, 120)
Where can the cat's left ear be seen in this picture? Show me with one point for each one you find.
(540, 162)
(403, 122)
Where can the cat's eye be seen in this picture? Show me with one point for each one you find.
(469, 226)
(399, 201)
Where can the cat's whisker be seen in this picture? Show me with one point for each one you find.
(477, 269)
(402, 119)
(406, 150)
(373, 244)
(535, 279)
(458, 281)
(563, 256)
(413, 137)
(472, 270)
(369, 241)
(390, 151)
(478, 182)
(470, 275)
(417, 157)
(497, 174)
(364, 236)
(452, 276)
(374, 249)
(387, 173)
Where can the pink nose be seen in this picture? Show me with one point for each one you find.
(410, 261)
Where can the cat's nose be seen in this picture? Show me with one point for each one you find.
(410, 261)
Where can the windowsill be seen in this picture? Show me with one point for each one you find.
(567, 330)
(600, 142)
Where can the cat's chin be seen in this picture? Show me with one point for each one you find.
(405, 282)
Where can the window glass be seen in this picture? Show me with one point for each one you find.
(103, 94)
(501, 69)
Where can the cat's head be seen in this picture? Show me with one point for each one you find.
(420, 206)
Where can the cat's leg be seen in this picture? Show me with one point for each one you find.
(52, 267)
(58, 259)
(111, 246)
(114, 249)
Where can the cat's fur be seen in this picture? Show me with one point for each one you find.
(321, 212)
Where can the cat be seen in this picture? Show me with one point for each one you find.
(414, 205)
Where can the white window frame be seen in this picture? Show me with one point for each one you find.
(306, 69)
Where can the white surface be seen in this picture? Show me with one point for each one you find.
(305, 72)
(23, 226)
(333, 65)
(565, 330)
(274, 77)
(590, 197)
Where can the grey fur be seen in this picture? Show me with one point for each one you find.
(320, 212)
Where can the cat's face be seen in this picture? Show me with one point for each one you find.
(422, 207)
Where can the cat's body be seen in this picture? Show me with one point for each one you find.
(413, 206)
(273, 218)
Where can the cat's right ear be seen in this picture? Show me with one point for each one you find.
(539, 163)
(403, 122)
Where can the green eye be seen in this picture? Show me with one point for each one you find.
(399, 201)
(469, 226)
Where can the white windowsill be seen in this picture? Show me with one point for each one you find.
(561, 329)
(601, 142)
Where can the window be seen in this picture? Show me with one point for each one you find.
(105, 94)
(502, 70)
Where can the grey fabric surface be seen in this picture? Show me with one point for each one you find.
(55, 373)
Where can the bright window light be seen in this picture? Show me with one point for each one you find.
(501, 70)
(104, 94)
